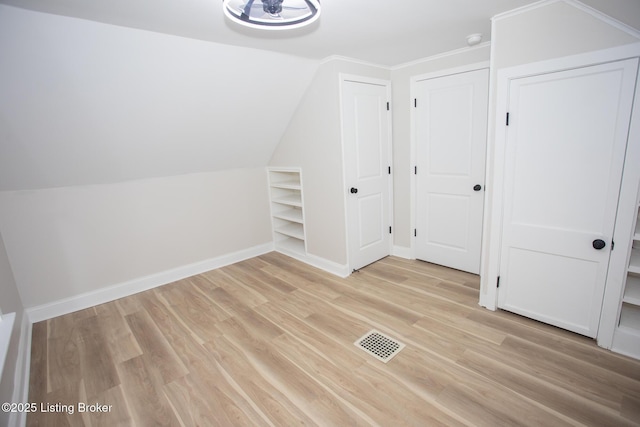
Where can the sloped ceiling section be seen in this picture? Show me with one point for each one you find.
(379, 31)
(89, 103)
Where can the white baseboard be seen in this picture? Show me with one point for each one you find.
(111, 293)
(328, 266)
(21, 379)
(318, 262)
(402, 252)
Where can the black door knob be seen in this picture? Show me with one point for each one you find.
(477, 187)
(353, 190)
(599, 244)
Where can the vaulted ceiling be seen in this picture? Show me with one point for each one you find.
(379, 31)
(84, 103)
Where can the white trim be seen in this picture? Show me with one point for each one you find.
(440, 56)
(447, 72)
(483, 300)
(339, 270)
(111, 293)
(342, 78)
(345, 77)
(405, 64)
(23, 368)
(578, 5)
(491, 252)
(605, 18)
(626, 342)
(353, 61)
(523, 9)
(618, 53)
(413, 144)
(403, 252)
(6, 330)
(610, 335)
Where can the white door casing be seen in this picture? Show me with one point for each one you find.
(450, 128)
(366, 136)
(564, 157)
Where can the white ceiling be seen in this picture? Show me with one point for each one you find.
(378, 31)
(84, 103)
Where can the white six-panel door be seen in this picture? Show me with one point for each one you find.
(565, 149)
(367, 153)
(450, 123)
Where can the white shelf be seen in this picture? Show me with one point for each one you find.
(634, 261)
(626, 338)
(293, 215)
(632, 290)
(293, 185)
(630, 317)
(292, 230)
(287, 210)
(291, 200)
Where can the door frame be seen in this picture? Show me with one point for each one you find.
(413, 144)
(494, 197)
(343, 78)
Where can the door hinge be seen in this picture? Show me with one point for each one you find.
(507, 119)
(415, 232)
(415, 170)
(387, 106)
(389, 170)
(389, 229)
(498, 282)
(613, 244)
(415, 102)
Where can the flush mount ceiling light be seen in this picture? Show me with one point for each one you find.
(272, 14)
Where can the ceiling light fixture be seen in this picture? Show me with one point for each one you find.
(272, 14)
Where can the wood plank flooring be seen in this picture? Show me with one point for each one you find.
(269, 342)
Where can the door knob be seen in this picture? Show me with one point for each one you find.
(353, 190)
(477, 187)
(599, 244)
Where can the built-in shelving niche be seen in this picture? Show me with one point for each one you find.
(287, 210)
(627, 334)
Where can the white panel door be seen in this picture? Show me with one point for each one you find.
(565, 147)
(367, 146)
(451, 132)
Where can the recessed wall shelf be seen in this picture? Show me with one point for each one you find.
(287, 210)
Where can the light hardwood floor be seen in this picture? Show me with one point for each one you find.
(269, 342)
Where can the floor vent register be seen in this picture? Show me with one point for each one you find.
(379, 345)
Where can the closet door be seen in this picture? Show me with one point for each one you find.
(450, 122)
(565, 147)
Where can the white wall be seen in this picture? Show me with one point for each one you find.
(10, 302)
(519, 39)
(88, 103)
(402, 105)
(313, 141)
(625, 11)
(65, 242)
(127, 153)
(569, 29)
